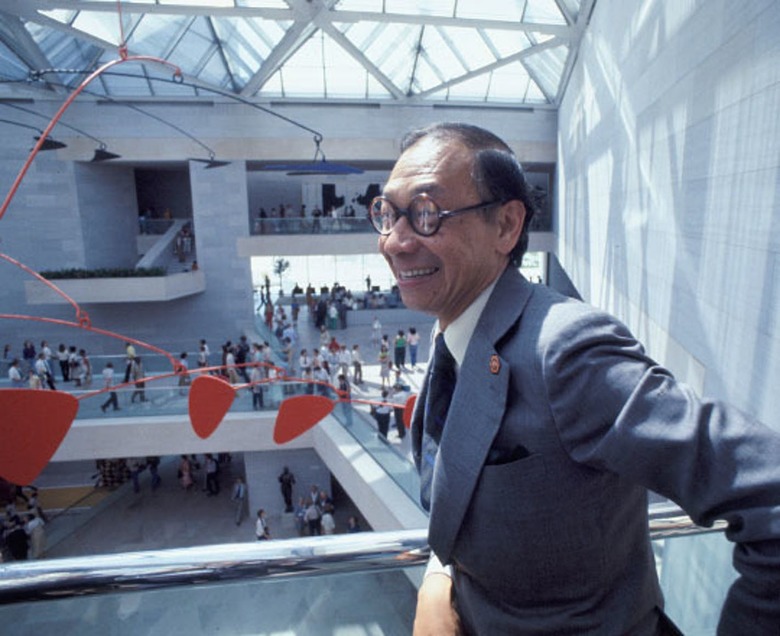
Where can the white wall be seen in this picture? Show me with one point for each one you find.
(669, 178)
(669, 191)
(108, 210)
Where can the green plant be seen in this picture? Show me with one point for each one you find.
(281, 265)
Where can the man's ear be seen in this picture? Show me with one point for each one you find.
(511, 217)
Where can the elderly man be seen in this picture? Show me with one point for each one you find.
(542, 422)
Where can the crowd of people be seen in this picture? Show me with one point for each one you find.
(183, 244)
(315, 515)
(285, 216)
(36, 368)
(332, 364)
(240, 362)
(22, 536)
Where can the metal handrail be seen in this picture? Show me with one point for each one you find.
(310, 556)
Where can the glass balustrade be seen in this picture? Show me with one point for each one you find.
(361, 583)
(322, 225)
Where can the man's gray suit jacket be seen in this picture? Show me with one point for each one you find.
(558, 424)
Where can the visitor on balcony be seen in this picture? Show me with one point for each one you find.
(62, 358)
(108, 383)
(357, 365)
(129, 357)
(139, 390)
(413, 341)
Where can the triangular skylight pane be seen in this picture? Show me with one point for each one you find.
(543, 12)
(192, 47)
(426, 76)
(415, 7)
(509, 83)
(573, 6)
(11, 67)
(170, 88)
(345, 77)
(243, 44)
(375, 90)
(470, 47)
(130, 83)
(104, 26)
(439, 54)
(222, 4)
(474, 89)
(154, 33)
(540, 38)
(63, 51)
(535, 94)
(269, 31)
(373, 6)
(214, 72)
(263, 4)
(547, 67)
(393, 50)
(273, 87)
(302, 74)
(506, 10)
(507, 43)
(60, 15)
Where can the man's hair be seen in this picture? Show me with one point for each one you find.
(497, 173)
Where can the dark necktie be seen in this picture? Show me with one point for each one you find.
(441, 385)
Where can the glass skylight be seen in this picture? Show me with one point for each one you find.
(441, 50)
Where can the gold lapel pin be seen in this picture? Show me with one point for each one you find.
(495, 364)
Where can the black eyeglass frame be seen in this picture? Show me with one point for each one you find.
(440, 215)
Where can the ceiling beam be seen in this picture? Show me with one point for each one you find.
(158, 9)
(17, 38)
(561, 31)
(491, 67)
(291, 41)
(344, 42)
(305, 25)
(583, 18)
(222, 55)
(557, 30)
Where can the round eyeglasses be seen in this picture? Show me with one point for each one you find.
(423, 214)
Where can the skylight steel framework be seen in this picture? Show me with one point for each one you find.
(511, 53)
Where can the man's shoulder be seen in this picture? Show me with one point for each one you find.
(522, 312)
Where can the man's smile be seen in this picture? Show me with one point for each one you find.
(408, 274)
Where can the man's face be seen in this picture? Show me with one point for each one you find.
(441, 274)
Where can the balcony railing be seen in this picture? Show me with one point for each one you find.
(341, 225)
(287, 558)
(323, 225)
(118, 290)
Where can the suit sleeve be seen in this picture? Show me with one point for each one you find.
(617, 410)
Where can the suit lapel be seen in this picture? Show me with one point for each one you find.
(475, 414)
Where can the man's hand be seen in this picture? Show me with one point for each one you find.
(435, 614)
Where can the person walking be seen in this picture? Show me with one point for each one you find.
(153, 462)
(108, 383)
(239, 496)
(286, 483)
(212, 475)
(262, 532)
(381, 414)
(413, 341)
(357, 366)
(399, 350)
